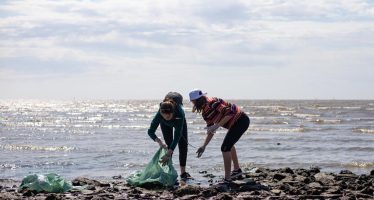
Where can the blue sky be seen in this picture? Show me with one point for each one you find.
(260, 49)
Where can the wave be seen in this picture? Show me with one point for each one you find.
(304, 115)
(363, 130)
(326, 121)
(359, 164)
(293, 130)
(15, 147)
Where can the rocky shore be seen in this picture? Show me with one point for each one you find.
(258, 183)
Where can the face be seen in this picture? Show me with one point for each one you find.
(167, 116)
(193, 102)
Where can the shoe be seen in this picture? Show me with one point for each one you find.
(237, 174)
(186, 176)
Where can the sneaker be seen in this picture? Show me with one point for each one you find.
(186, 176)
(237, 174)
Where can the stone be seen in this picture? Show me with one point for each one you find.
(7, 196)
(209, 192)
(276, 192)
(80, 181)
(187, 190)
(345, 172)
(279, 177)
(324, 179)
(287, 170)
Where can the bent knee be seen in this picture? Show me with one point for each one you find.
(225, 148)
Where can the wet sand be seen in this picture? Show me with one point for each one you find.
(258, 183)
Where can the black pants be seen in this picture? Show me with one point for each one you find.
(235, 132)
(167, 132)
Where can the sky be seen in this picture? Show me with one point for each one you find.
(234, 49)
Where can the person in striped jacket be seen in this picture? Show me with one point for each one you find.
(219, 113)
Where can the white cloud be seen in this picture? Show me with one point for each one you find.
(85, 40)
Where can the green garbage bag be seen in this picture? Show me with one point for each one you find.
(45, 183)
(155, 173)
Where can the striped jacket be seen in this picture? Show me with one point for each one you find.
(216, 109)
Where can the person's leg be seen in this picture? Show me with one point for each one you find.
(183, 148)
(234, 158)
(167, 133)
(227, 164)
(232, 136)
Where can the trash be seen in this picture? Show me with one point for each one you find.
(155, 173)
(44, 183)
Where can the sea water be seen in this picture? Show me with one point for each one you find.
(105, 138)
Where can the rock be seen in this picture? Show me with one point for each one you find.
(7, 196)
(224, 196)
(279, 177)
(314, 170)
(51, 197)
(346, 176)
(372, 172)
(203, 172)
(209, 176)
(324, 179)
(91, 187)
(187, 190)
(334, 190)
(209, 192)
(314, 185)
(302, 172)
(253, 187)
(80, 181)
(287, 170)
(189, 197)
(87, 192)
(345, 172)
(276, 192)
(367, 190)
(117, 177)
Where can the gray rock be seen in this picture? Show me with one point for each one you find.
(188, 190)
(325, 179)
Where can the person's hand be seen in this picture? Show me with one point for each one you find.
(166, 157)
(200, 151)
(162, 145)
(211, 129)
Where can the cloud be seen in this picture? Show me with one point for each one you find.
(85, 40)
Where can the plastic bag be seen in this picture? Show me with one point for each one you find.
(155, 173)
(45, 183)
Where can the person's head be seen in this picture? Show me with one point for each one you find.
(167, 108)
(198, 98)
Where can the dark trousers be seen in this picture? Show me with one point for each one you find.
(167, 132)
(235, 132)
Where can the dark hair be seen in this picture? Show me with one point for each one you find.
(199, 104)
(167, 106)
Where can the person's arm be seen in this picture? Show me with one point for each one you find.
(214, 127)
(201, 150)
(153, 127)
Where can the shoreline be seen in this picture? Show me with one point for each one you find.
(258, 183)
